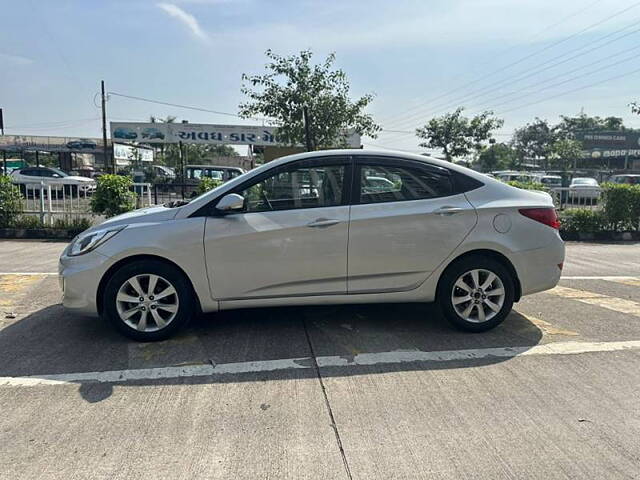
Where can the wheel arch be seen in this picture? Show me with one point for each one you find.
(134, 258)
(495, 255)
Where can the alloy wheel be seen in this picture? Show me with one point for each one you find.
(147, 302)
(478, 295)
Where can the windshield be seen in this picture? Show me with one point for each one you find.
(58, 171)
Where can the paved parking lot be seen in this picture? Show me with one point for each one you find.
(358, 392)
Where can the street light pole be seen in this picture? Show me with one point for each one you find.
(107, 163)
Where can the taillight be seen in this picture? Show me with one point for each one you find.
(548, 216)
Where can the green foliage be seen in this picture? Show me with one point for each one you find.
(10, 201)
(75, 224)
(112, 196)
(207, 184)
(564, 153)
(528, 185)
(458, 135)
(533, 140)
(498, 156)
(583, 220)
(569, 126)
(622, 206)
(293, 82)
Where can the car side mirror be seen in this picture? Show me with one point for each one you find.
(230, 203)
(55, 175)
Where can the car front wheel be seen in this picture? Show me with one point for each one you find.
(148, 300)
(476, 293)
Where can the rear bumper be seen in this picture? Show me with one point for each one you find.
(539, 269)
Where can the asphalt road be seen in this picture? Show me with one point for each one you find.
(362, 392)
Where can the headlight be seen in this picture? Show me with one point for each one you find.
(85, 242)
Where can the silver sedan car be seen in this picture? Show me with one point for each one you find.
(310, 229)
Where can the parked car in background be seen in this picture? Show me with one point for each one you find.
(631, 179)
(514, 177)
(195, 173)
(164, 172)
(549, 181)
(305, 230)
(584, 188)
(59, 180)
(82, 144)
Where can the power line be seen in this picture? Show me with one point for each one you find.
(549, 27)
(526, 74)
(188, 107)
(571, 91)
(517, 62)
(563, 75)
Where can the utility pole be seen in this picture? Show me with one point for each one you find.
(307, 129)
(1, 122)
(107, 162)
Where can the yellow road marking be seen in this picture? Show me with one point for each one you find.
(634, 282)
(548, 328)
(615, 304)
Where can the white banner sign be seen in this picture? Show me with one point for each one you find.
(127, 153)
(202, 133)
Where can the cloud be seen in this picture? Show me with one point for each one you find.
(14, 59)
(187, 19)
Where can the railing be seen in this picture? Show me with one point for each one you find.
(170, 192)
(55, 200)
(567, 197)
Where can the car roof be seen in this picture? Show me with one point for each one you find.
(212, 166)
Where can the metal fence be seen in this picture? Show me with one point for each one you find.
(56, 200)
(171, 192)
(567, 197)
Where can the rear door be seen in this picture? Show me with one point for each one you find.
(406, 218)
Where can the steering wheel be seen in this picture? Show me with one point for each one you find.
(264, 197)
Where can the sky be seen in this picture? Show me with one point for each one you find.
(522, 59)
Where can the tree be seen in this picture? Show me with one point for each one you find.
(569, 126)
(533, 140)
(457, 135)
(292, 83)
(498, 156)
(565, 153)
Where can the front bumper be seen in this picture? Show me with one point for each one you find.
(79, 278)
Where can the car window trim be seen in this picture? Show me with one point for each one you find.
(209, 209)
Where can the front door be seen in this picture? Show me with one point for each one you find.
(291, 238)
(406, 219)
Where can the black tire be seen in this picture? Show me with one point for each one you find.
(459, 268)
(184, 293)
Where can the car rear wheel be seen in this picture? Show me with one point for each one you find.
(476, 293)
(148, 300)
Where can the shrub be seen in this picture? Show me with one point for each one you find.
(207, 184)
(78, 224)
(112, 196)
(583, 220)
(622, 206)
(10, 201)
(528, 185)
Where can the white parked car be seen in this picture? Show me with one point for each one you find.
(584, 189)
(305, 230)
(33, 176)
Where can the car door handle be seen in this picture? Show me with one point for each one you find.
(448, 210)
(323, 222)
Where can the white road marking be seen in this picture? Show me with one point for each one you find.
(598, 277)
(380, 358)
